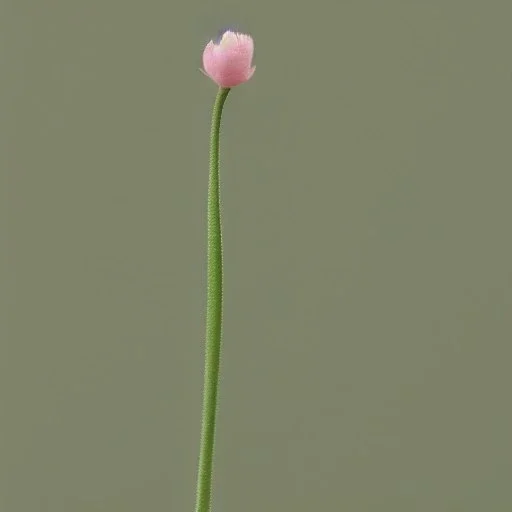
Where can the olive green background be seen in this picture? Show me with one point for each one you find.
(366, 181)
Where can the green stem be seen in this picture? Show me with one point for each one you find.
(213, 316)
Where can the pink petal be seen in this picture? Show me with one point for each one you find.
(228, 63)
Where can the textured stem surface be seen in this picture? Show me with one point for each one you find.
(213, 316)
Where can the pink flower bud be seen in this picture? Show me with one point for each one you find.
(228, 61)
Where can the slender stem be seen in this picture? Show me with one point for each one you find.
(213, 316)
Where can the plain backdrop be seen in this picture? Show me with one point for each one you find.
(366, 185)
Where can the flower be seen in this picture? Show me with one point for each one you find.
(228, 60)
